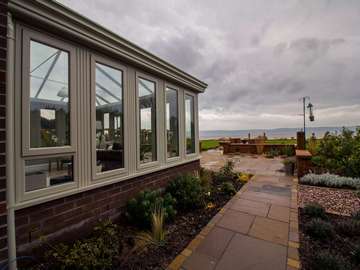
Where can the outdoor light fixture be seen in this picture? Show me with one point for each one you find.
(311, 115)
(310, 107)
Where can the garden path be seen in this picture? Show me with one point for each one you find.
(252, 232)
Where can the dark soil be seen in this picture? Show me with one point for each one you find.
(179, 234)
(340, 245)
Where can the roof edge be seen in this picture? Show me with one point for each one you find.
(62, 18)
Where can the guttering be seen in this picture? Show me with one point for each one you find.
(10, 180)
(64, 21)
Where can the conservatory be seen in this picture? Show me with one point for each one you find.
(91, 118)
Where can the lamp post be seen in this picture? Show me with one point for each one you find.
(311, 114)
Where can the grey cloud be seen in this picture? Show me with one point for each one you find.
(258, 56)
(182, 49)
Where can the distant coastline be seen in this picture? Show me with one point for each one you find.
(276, 133)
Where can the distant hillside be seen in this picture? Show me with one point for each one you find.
(270, 133)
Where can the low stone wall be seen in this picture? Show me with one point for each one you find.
(234, 148)
(77, 213)
(303, 162)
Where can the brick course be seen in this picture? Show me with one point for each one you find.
(3, 53)
(60, 218)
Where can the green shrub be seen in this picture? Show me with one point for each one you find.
(96, 252)
(228, 188)
(340, 154)
(312, 145)
(226, 173)
(140, 208)
(319, 229)
(187, 191)
(324, 260)
(288, 151)
(315, 210)
(330, 180)
(157, 234)
(206, 179)
(349, 228)
(357, 193)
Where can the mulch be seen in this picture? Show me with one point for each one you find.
(336, 201)
(180, 232)
(339, 245)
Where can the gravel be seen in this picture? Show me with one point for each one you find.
(335, 201)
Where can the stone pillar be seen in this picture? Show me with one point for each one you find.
(300, 139)
(303, 162)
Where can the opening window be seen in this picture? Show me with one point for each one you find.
(47, 172)
(49, 96)
(172, 123)
(147, 120)
(189, 124)
(109, 118)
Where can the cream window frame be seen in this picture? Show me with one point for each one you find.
(103, 176)
(23, 151)
(196, 127)
(145, 166)
(81, 121)
(179, 107)
(27, 37)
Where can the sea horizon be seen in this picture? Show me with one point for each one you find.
(275, 133)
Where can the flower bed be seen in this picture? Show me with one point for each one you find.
(330, 180)
(328, 242)
(156, 226)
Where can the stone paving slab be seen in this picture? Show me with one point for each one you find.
(256, 230)
(237, 222)
(247, 253)
(251, 207)
(271, 230)
(215, 242)
(280, 213)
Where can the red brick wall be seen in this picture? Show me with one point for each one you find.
(56, 219)
(251, 148)
(3, 50)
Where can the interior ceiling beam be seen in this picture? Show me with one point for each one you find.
(48, 73)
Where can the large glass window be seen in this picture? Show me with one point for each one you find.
(47, 172)
(49, 96)
(147, 120)
(189, 124)
(172, 123)
(109, 118)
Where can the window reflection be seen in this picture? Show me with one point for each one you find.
(172, 123)
(189, 124)
(147, 115)
(49, 96)
(47, 172)
(109, 118)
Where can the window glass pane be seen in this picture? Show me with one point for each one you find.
(47, 172)
(49, 96)
(189, 124)
(147, 115)
(109, 118)
(172, 123)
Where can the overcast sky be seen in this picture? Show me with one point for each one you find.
(258, 57)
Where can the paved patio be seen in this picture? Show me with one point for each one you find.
(255, 164)
(252, 231)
